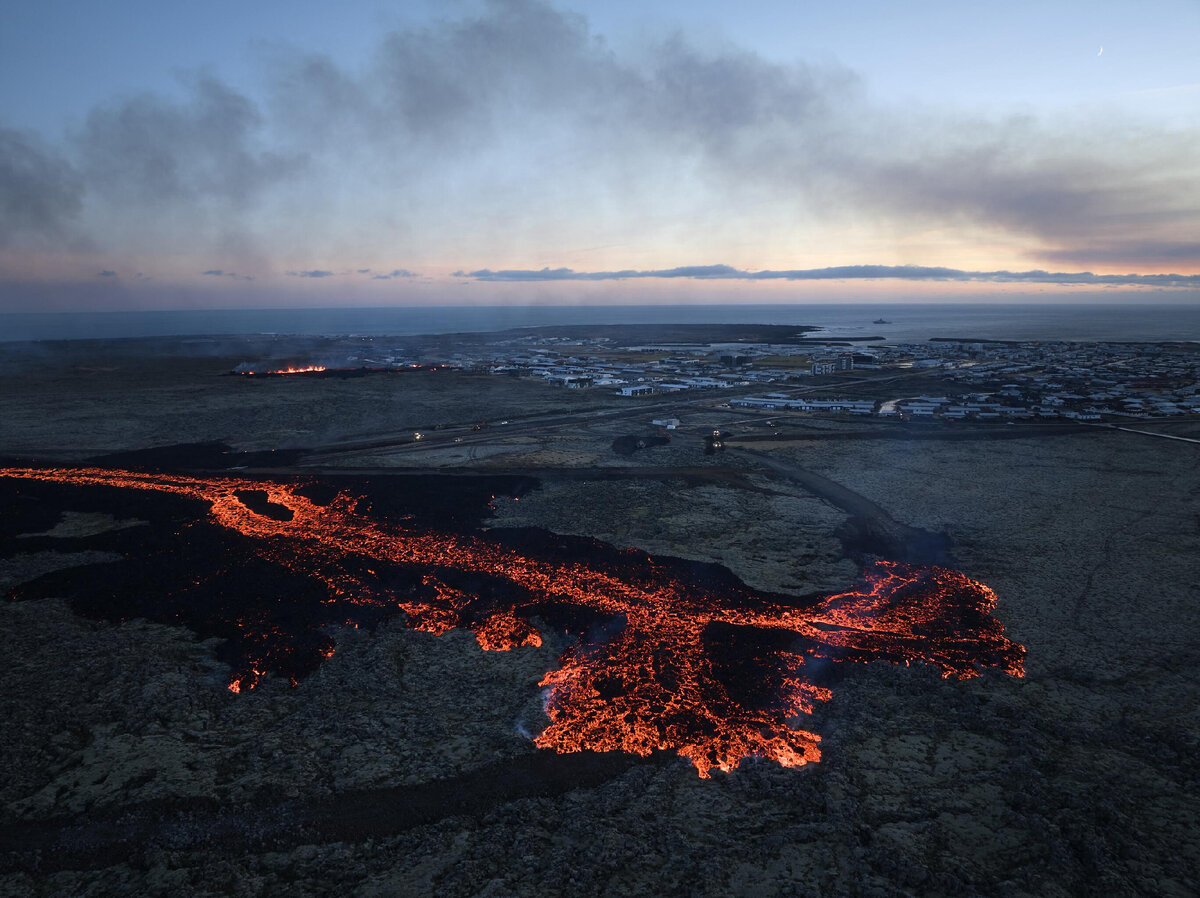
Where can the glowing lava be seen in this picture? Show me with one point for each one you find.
(714, 673)
(307, 369)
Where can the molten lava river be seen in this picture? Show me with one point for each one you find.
(664, 658)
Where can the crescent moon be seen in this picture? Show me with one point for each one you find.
(1101, 53)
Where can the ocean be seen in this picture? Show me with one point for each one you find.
(906, 322)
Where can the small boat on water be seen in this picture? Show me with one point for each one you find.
(881, 321)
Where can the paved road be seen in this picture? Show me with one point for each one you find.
(404, 441)
(1147, 433)
(870, 530)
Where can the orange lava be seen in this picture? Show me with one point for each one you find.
(652, 679)
(307, 369)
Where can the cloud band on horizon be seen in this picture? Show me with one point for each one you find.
(833, 273)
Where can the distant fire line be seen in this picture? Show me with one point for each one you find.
(307, 369)
(246, 370)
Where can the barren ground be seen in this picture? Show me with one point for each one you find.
(1080, 779)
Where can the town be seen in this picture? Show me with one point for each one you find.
(970, 380)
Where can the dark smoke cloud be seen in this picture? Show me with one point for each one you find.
(40, 192)
(1166, 252)
(148, 150)
(524, 74)
(841, 272)
(507, 117)
(1101, 197)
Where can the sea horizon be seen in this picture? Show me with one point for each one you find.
(894, 322)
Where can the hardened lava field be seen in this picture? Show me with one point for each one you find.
(667, 655)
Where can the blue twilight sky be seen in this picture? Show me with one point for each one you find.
(224, 154)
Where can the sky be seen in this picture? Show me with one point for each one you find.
(225, 155)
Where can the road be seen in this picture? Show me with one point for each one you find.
(540, 424)
(870, 530)
(1146, 433)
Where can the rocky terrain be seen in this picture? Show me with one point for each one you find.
(404, 766)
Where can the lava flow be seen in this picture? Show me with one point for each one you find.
(282, 372)
(321, 371)
(662, 660)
